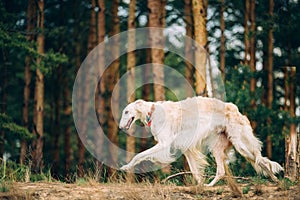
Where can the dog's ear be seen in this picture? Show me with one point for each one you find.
(139, 105)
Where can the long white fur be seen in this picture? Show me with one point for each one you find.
(196, 126)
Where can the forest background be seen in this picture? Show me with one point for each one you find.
(255, 44)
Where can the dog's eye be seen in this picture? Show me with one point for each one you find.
(126, 112)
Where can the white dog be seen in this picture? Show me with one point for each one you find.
(195, 126)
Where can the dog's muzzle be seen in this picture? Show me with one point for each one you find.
(128, 124)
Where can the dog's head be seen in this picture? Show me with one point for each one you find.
(132, 112)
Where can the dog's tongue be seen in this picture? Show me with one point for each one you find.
(128, 123)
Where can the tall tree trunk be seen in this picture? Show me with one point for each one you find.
(246, 32)
(270, 76)
(250, 48)
(222, 40)
(92, 41)
(67, 133)
(100, 97)
(200, 32)
(189, 71)
(292, 147)
(157, 55)
(101, 55)
(252, 45)
(112, 80)
(31, 21)
(131, 62)
(38, 118)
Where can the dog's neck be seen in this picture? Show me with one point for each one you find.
(149, 114)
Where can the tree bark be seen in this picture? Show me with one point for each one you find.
(270, 77)
(112, 80)
(31, 21)
(92, 41)
(131, 62)
(222, 40)
(200, 32)
(100, 93)
(67, 135)
(189, 71)
(246, 32)
(292, 142)
(157, 54)
(252, 45)
(38, 118)
(101, 56)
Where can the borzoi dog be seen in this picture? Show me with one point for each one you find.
(196, 126)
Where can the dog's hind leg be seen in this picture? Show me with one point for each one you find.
(220, 154)
(241, 136)
(196, 163)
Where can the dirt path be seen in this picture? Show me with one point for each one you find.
(122, 191)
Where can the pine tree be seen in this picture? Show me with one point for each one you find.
(200, 34)
(189, 71)
(131, 62)
(112, 80)
(38, 117)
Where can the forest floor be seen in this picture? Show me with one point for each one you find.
(120, 191)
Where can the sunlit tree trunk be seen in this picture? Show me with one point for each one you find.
(157, 55)
(252, 47)
(189, 71)
(200, 33)
(222, 40)
(112, 79)
(38, 118)
(131, 61)
(31, 21)
(270, 76)
(246, 32)
(292, 165)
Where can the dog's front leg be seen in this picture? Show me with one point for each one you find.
(145, 155)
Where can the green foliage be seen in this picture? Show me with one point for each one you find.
(285, 184)
(7, 124)
(246, 189)
(4, 187)
(11, 171)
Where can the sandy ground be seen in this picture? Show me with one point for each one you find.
(144, 191)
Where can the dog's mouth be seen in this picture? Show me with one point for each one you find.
(129, 123)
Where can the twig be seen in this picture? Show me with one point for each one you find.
(206, 176)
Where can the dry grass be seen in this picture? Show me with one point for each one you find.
(94, 190)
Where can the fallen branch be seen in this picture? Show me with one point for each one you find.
(206, 176)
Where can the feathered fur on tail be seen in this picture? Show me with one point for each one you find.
(241, 136)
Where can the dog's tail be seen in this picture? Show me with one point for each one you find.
(241, 136)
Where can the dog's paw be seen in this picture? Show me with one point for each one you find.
(125, 167)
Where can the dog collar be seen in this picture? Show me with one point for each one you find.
(149, 116)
